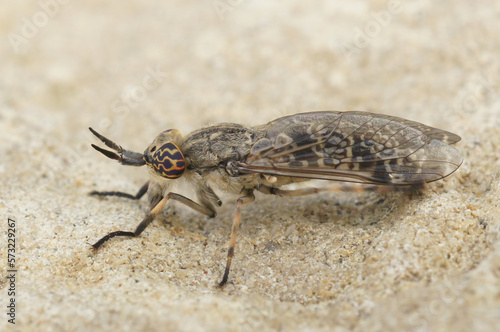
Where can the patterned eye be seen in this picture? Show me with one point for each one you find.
(168, 161)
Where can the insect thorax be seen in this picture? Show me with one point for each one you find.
(212, 146)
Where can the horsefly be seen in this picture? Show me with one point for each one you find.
(370, 149)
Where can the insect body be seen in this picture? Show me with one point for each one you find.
(358, 147)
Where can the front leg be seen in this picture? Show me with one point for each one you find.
(156, 208)
(139, 194)
(142, 226)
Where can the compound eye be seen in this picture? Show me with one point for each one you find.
(168, 161)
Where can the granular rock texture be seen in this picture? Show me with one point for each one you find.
(326, 262)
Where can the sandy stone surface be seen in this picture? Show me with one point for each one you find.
(332, 262)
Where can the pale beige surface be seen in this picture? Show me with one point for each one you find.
(426, 261)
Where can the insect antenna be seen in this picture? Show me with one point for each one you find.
(124, 157)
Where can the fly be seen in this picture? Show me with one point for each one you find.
(375, 150)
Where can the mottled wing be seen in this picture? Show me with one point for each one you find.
(353, 146)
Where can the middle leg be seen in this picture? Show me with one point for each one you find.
(248, 198)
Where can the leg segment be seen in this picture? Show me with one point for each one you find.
(206, 210)
(155, 210)
(248, 198)
(139, 194)
(144, 223)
